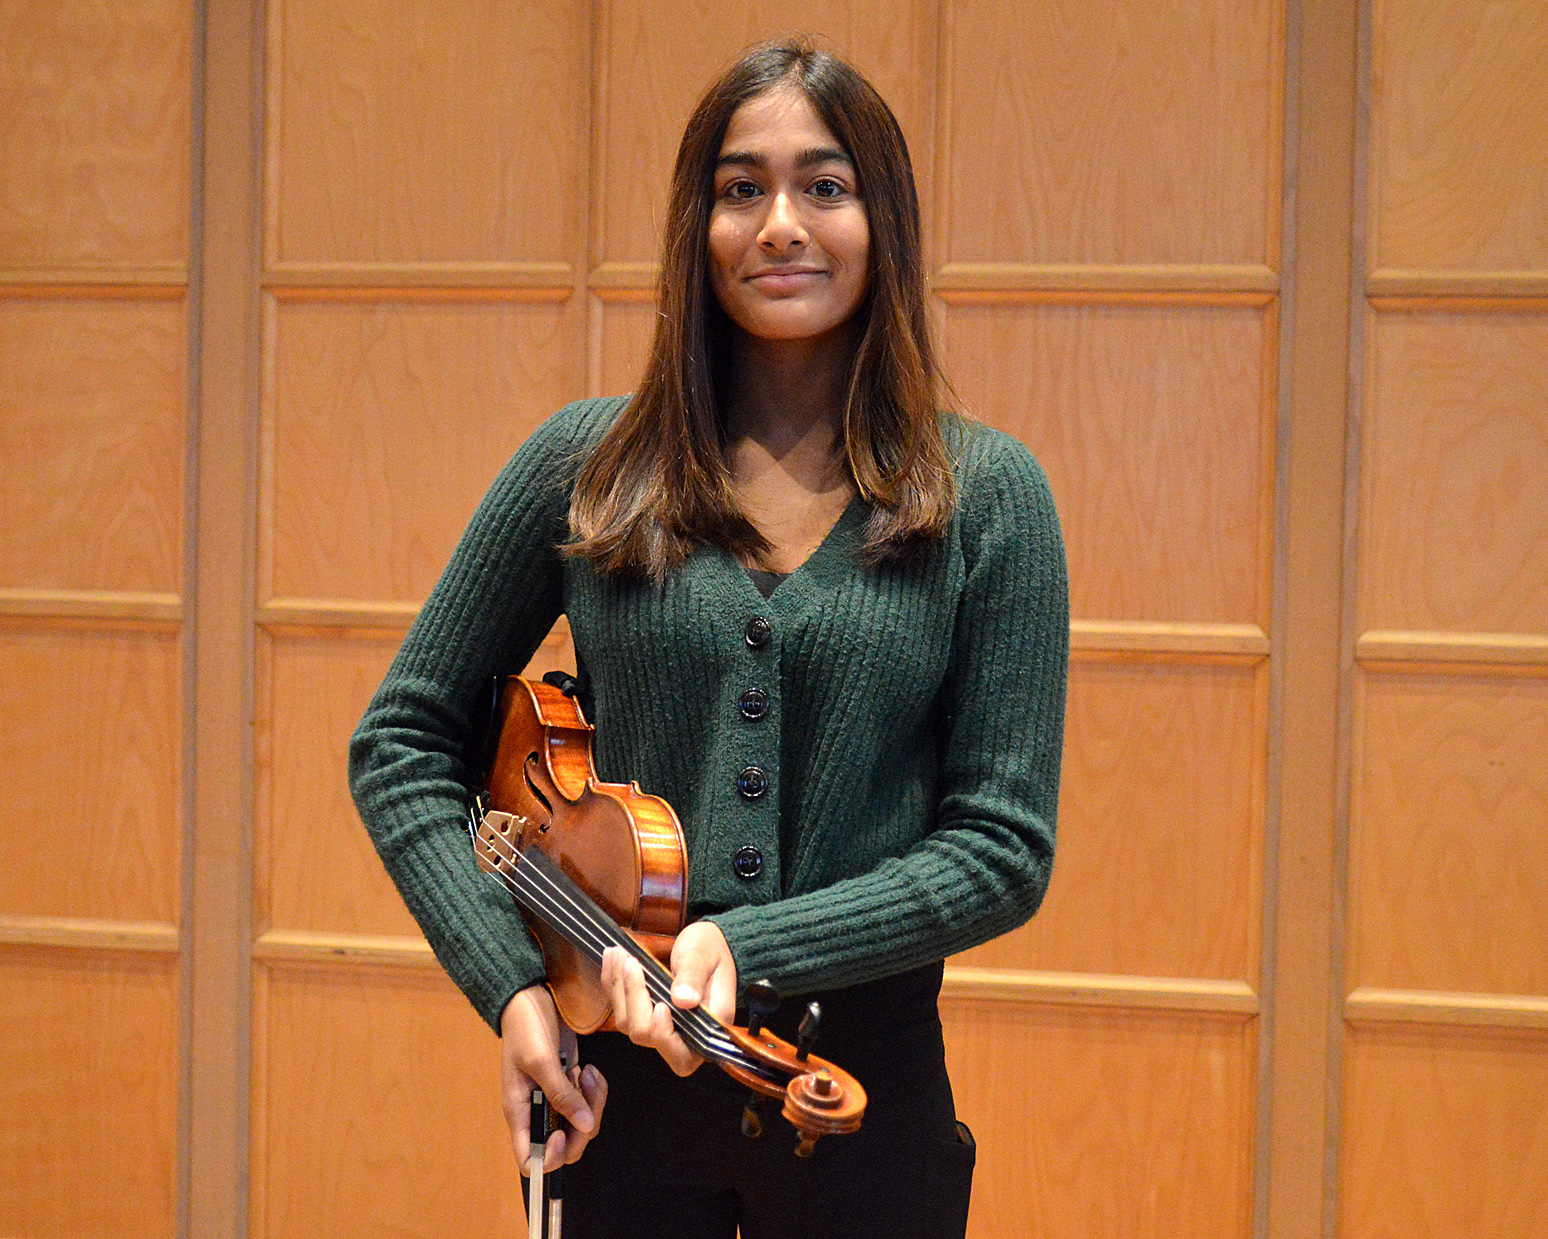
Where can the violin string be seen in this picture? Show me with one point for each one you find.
(558, 889)
(575, 917)
(551, 891)
(543, 897)
(547, 900)
(701, 1029)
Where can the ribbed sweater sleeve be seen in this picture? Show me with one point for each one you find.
(496, 600)
(984, 866)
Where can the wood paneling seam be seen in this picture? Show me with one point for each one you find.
(515, 275)
(279, 946)
(1099, 990)
(91, 604)
(1398, 1006)
(82, 934)
(1237, 998)
(1157, 637)
(442, 293)
(1383, 645)
(1105, 277)
(92, 284)
(1397, 282)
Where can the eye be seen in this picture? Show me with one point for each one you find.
(740, 191)
(826, 187)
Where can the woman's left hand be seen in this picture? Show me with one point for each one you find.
(703, 975)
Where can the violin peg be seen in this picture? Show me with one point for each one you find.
(752, 1117)
(806, 1034)
(807, 1144)
(762, 1002)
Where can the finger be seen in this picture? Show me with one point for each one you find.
(720, 996)
(594, 1086)
(617, 986)
(516, 1100)
(701, 966)
(633, 1007)
(664, 1038)
(564, 1097)
(530, 1039)
(691, 967)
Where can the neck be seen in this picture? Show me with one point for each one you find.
(786, 390)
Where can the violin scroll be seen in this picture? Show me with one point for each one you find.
(820, 1099)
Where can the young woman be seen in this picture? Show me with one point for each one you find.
(823, 619)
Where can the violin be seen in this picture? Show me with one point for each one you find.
(594, 865)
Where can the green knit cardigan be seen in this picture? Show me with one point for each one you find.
(910, 747)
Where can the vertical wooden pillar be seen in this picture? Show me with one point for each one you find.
(1310, 741)
(224, 331)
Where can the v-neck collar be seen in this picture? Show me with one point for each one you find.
(825, 566)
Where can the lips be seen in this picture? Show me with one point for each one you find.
(785, 279)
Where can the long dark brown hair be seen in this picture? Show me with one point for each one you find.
(657, 484)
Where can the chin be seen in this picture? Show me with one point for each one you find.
(788, 330)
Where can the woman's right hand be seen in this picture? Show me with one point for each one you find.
(530, 1038)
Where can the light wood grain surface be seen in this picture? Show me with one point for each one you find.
(92, 413)
(89, 1093)
(1448, 856)
(1445, 1133)
(96, 138)
(1288, 982)
(1458, 154)
(1114, 133)
(92, 743)
(1455, 502)
(1153, 424)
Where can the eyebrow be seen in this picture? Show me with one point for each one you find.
(808, 158)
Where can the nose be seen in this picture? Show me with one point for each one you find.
(782, 227)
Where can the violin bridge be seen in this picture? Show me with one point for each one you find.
(509, 829)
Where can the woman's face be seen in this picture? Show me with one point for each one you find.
(789, 245)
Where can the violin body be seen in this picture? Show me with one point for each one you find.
(594, 865)
(624, 848)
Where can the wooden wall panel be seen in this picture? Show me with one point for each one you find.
(1448, 858)
(95, 149)
(1455, 492)
(1105, 1122)
(426, 133)
(1445, 1133)
(1459, 151)
(91, 445)
(314, 866)
(625, 329)
(1159, 869)
(1116, 133)
(651, 76)
(1445, 1129)
(91, 769)
(376, 1109)
(88, 1088)
(386, 422)
(1153, 423)
(95, 144)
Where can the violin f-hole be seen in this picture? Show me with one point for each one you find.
(527, 768)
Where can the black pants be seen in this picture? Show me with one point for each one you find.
(670, 1161)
